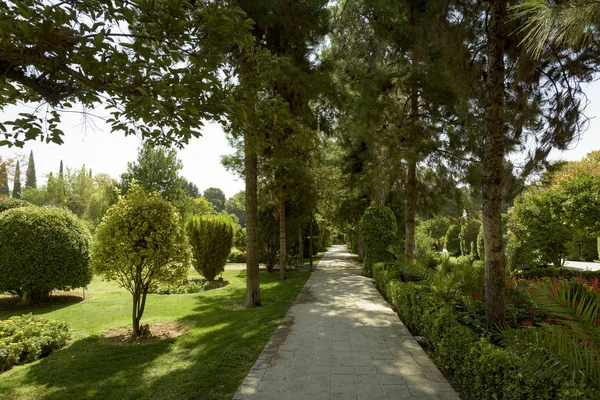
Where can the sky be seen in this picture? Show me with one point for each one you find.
(91, 144)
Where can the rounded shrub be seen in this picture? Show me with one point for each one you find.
(42, 249)
(378, 228)
(211, 238)
(10, 203)
(452, 240)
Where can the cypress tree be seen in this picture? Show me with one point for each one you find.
(30, 179)
(17, 182)
(4, 192)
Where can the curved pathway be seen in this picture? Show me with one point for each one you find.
(341, 340)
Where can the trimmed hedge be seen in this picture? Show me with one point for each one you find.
(379, 228)
(484, 370)
(42, 249)
(26, 338)
(554, 272)
(237, 256)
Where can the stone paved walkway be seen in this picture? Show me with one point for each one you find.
(341, 340)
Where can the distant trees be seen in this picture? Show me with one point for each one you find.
(140, 243)
(30, 176)
(17, 182)
(216, 197)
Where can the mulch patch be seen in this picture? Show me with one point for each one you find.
(158, 331)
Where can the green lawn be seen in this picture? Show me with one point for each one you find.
(208, 362)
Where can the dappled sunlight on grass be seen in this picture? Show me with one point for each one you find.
(208, 362)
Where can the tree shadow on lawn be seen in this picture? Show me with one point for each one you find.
(209, 362)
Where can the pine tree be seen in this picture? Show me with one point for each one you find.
(30, 178)
(17, 182)
(4, 191)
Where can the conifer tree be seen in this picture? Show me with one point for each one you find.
(30, 178)
(17, 182)
(4, 191)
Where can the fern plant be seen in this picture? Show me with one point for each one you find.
(567, 348)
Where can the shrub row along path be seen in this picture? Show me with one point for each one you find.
(341, 340)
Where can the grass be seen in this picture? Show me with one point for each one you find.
(208, 362)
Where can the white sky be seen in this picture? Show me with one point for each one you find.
(94, 146)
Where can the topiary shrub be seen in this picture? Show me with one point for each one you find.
(42, 249)
(211, 237)
(378, 227)
(10, 203)
(469, 230)
(452, 240)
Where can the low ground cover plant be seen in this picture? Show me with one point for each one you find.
(26, 338)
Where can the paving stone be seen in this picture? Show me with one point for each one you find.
(345, 344)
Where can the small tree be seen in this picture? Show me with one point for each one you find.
(379, 228)
(42, 249)
(30, 175)
(211, 237)
(452, 240)
(140, 243)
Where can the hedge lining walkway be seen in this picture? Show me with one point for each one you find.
(341, 340)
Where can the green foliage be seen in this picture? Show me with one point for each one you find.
(187, 286)
(469, 230)
(538, 225)
(17, 182)
(480, 247)
(26, 338)
(237, 256)
(583, 248)
(580, 196)
(239, 240)
(211, 238)
(42, 249)
(140, 243)
(268, 238)
(555, 272)
(452, 240)
(216, 197)
(4, 189)
(12, 203)
(237, 205)
(484, 370)
(378, 227)
(30, 175)
(436, 229)
(568, 349)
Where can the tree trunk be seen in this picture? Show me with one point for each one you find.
(411, 206)
(135, 320)
(251, 177)
(301, 244)
(493, 168)
(310, 243)
(411, 179)
(282, 239)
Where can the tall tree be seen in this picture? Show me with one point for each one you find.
(17, 182)
(216, 197)
(30, 177)
(4, 189)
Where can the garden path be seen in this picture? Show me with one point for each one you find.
(341, 340)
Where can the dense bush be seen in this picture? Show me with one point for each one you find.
(140, 243)
(237, 256)
(26, 338)
(11, 203)
(469, 230)
(239, 240)
(452, 240)
(378, 227)
(42, 249)
(211, 238)
(557, 272)
(583, 248)
(484, 370)
(436, 229)
(187, 287)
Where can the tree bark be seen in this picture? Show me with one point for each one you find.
(493, 168)
(282, 239)
(310, 243)
(135, 319)
(251, 178)
(301, 244)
